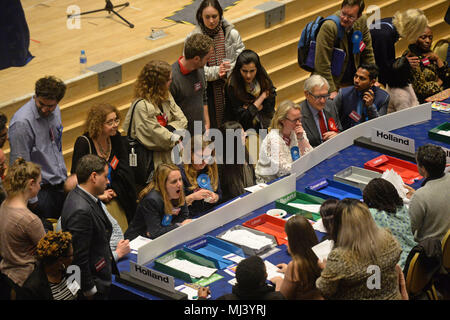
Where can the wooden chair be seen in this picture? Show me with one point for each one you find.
(416, 280)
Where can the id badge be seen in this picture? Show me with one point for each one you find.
(362, 46)
(355, 116)
(73, 287)
(133, 158)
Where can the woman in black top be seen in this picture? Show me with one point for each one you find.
(103, 138)
(250, 94)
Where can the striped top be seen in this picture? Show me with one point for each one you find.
(60, 291)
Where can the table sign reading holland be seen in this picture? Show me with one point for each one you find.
(393, 140)
(153, 277)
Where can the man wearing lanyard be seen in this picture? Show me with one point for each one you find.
(319, 115)
(363, 101)
(35, 134)
(188, 86)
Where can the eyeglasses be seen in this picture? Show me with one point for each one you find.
(112, 122)
(294, 120)
(351, 18)
(325, 96)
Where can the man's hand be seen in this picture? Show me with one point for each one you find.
(329, 134)
(368, 97)
(123, 248)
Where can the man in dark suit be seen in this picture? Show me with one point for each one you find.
(91, 229)
(319, 115)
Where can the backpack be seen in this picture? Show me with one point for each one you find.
(306, 56)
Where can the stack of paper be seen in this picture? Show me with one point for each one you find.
(272, 270)
(444, 132)
(138, 242)
(307, 207)
(194, 270)
(323, 249)
(319, 226)
(394, 178)
(247, 238)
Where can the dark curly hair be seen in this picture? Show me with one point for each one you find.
(53, 246)
(382, 195)
(51, 88)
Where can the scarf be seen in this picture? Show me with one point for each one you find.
(216, 58)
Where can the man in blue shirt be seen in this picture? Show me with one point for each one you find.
(35, 134)
(363, 101)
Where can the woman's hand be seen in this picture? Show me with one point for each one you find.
(299, 131)
(410, 191)
(322, 264)
(203, 292)
(282, 267)
(202, 194)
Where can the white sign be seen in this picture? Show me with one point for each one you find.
(393, 140)
(152, 277)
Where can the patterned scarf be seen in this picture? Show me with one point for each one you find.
(216, 58)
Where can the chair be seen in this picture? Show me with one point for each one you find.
(446, 251)
(416, 280)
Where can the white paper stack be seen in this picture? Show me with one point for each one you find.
(323, 249)
(272, 270)
(307, 207)
(394, 178)
(319, 226)
(444, 132)
(138, 242)
(194, 270)
(247, 238)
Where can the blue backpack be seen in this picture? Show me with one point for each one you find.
(306, 53)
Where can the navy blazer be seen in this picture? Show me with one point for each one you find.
(309, 123)
(91, 233)
(347, 101)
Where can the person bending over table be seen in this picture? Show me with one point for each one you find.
(200, 176)
(162, 205)
(301, 273)
(285, 143)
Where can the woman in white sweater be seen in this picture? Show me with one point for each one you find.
(284, 144)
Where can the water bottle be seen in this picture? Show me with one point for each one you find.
(83, 62)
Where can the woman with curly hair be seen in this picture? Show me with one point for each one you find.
(154, 116)
(103, 138)
(200, 176)
(20, 229)
(49, 280)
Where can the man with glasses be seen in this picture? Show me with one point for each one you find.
(35, 134)
(362, 101)
(320, 117)
(356, 43)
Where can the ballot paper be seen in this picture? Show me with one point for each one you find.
(247, 238)
(394, 178)
(138, 242)
(323, 249)
(444, 132)
(319, 226)
(272, 270)
(307, 207)
(233, 257)
(194, 270)
(256, 187)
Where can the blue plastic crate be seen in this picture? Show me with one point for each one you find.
(330, 189)
(214, 249)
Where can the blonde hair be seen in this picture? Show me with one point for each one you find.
(151, 83)
(410, 24)
(191, 173)
(158, 183)
(18, 176)
(281, 112)
(356, 229)
(96, 118)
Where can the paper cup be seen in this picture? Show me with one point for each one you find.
(278, 213)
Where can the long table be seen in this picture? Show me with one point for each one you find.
(349, 156)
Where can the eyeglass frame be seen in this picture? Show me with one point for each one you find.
(326, 96)
(344, 15)
(112, 122)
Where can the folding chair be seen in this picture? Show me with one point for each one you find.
(417, 282)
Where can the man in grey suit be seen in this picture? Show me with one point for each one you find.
(320, 118)
(91, 230)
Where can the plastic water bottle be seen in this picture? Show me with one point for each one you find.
(83, 62)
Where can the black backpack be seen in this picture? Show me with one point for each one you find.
(305, 56)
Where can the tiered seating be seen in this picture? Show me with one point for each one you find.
(276, 45)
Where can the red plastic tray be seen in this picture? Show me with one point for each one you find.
(270, 225)
(407, 170)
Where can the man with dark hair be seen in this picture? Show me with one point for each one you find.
(35, 134)
(352, 26)
(251, 276)
(362, 101)
(188, 85)
(429, 209)
(83, 216)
